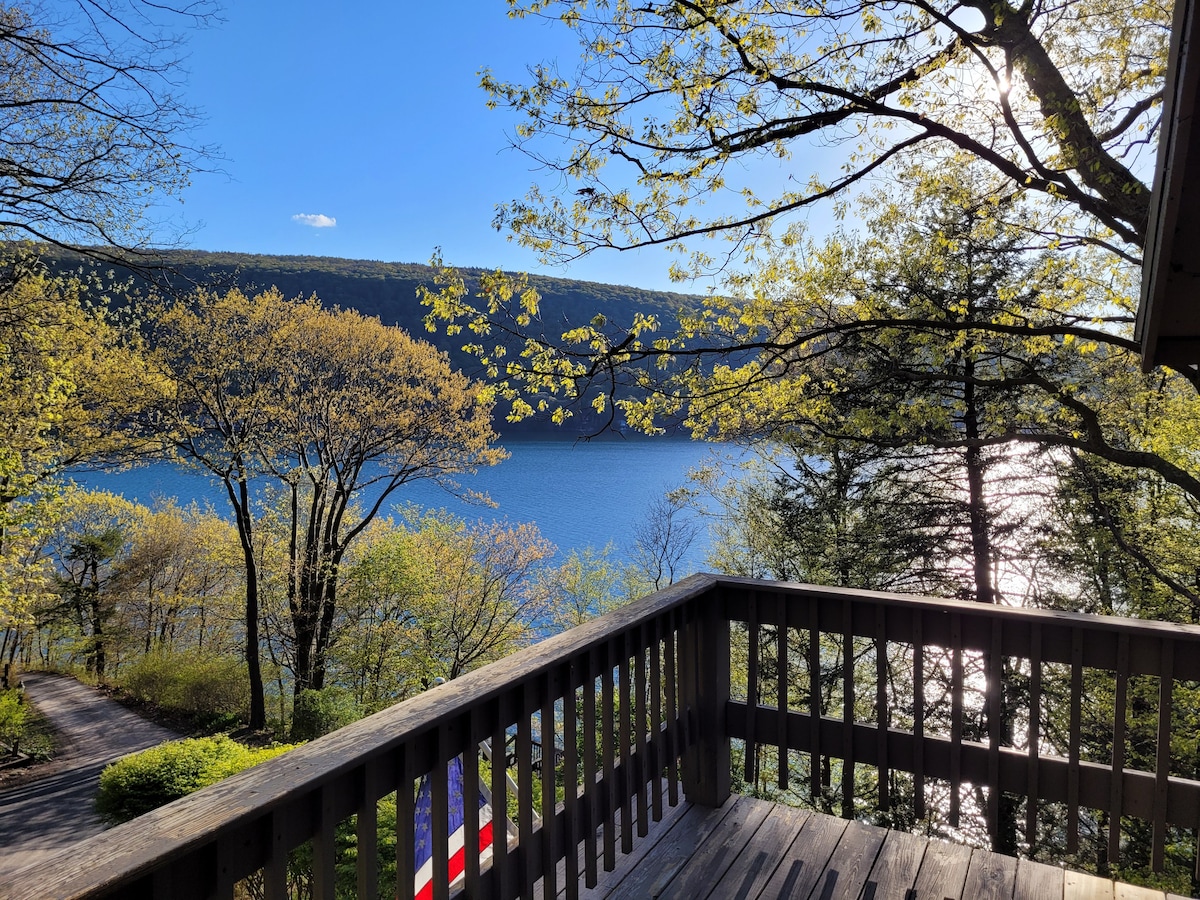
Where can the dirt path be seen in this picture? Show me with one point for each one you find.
(40, 817)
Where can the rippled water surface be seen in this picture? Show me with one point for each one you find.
(579, 494)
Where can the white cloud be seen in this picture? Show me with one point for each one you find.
(315, 220)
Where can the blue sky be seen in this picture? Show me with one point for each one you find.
(369, 115)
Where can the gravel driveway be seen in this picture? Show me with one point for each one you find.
(41, 817)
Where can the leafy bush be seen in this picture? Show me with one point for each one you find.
(213, 688)
(320, 712)
(144, 781)
(12, 718)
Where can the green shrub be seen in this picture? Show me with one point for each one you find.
(319, 712)
(213, 688)
(144, 781)
(12, 718)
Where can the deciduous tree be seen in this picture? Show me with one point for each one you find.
(589, 583)
(673, 102)
(438, 597)
(181, 580)
(88, 545)
(337, 409)
(366, 409)
(215, 404)
(64, 371)
(662, 539)
(94, 128)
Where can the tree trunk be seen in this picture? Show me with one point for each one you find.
(239, 495)
(982, 558)
(305, 634)
(258, 702)
(325, 628)
(98, 654)
(977, 508)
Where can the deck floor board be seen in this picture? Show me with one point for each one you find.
(943, 870)
(758, 850)
(752, 870)
(713, 859)
(990, 876)
(1040, 880)
(896, 867)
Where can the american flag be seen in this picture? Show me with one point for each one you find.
(423, 831)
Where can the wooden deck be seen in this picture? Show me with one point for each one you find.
(755, 849)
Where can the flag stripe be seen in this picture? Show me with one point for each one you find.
(458, 861)
(422, 850)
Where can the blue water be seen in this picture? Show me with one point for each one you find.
(579, 494)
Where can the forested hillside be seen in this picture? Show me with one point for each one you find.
(389, 291)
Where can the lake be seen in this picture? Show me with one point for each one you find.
(579, 494)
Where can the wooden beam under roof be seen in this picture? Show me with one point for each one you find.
(1168, 320)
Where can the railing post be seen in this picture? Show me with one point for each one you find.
(706, 766)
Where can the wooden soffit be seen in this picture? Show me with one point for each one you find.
(1168, 320)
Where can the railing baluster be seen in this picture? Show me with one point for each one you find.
(688, 680)
(367, 830)
(781, 687)
(1034, 749)
(527, 702)
(223, 885)
(814, 698)
(501, 862)
(571, 676)
(995, 704)
(1118, 750)
(275, 872)
(591, 795)
(472, 727)
(882, 715)
(439, 783)
(405, 814)
(1196, 854)
(641, 768)
(752, 652)
(607, 743)
(324, 849)
(672, 675)
(1162, 766)
(847, 709)
(1075, 740)
(918, 714)
(656, 717)
(625, 746)
(956, 715)
(549, 690)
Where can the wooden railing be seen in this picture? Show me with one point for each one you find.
(582, 691)
(1029, 723)
(652, 699)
